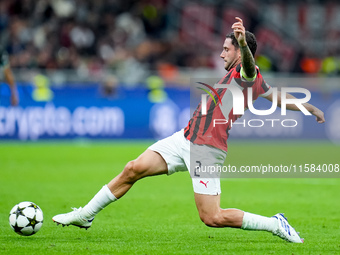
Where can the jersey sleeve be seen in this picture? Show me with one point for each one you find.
(266, 89)
(261, 88)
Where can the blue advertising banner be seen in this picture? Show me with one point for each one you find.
(74, 111)
(84, 111)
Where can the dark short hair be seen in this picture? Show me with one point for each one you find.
(250, 38)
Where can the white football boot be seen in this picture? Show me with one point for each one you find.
(286, 231)
(73, 218)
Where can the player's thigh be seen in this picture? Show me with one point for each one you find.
(150, 163)
(207, 205)
(173, 150)
(212, 215)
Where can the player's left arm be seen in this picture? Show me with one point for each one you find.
(320, 118)
(248, 69)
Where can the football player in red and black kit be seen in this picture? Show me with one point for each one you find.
(201, 142)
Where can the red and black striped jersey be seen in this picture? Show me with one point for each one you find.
(201, 129)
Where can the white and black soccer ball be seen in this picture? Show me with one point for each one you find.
(26, 218)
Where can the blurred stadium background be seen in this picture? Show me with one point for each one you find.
(122, 69)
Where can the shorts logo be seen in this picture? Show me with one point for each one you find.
(205, 184)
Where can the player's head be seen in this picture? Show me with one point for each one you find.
(250, 38)
(231, 51)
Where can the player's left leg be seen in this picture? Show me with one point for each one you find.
(203, 162)
(213, 215)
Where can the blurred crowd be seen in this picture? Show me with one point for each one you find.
(70, 34)
(128, 36)
(63, 33)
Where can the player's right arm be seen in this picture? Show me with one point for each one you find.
(320, 118)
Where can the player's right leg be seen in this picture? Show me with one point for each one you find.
(148, 163)
(163, 157)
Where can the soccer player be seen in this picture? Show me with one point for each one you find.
(203, 143)
(4, 65)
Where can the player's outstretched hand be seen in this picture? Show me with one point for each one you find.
(320, 118)
(239, 31)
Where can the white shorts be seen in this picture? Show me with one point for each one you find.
(182, 155)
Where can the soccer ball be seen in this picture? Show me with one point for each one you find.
(26, 218)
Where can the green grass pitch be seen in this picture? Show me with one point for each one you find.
(158, 215)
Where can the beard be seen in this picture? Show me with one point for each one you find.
(230, 64)
(227, 66)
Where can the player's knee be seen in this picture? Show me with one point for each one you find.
(133, 171)
(211, 220)
(130, 173)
